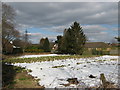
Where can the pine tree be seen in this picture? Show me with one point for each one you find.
(79, 38)
(73, 40)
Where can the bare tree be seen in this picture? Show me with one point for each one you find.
(9, 33)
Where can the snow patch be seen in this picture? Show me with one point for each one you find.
(31, 56)
(73, 68)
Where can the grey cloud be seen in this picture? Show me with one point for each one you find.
(99, 37)
(57, 16)
(48, 14)
(98, 33)
(94, 29)
(36, 38)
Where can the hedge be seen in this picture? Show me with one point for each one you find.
(34, 50)
(96, 52)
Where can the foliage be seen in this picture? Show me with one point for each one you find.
(72, 41)
(45, 45)
(41, 43)
(33, 49)
(59, 41)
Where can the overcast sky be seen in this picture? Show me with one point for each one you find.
(98, 20)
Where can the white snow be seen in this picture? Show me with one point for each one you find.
(31, 56)
(51, 76)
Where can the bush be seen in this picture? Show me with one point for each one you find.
(33, 49)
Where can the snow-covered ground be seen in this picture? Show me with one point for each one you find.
(55, 73)
(31, 56)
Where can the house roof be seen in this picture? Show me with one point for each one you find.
(115, 44)
(96, 45)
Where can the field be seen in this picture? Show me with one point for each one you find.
(54, 71)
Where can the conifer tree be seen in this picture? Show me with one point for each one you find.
(41, 43)
(59, 41)
(45, 45)
(73, 40)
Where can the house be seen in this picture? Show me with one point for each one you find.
(98, 46)
(16, 49)
(55, 47)
(6, 47)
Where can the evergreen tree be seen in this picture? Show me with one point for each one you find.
(41, 43)
(73, 40)
(59, 41)
(45, 45)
